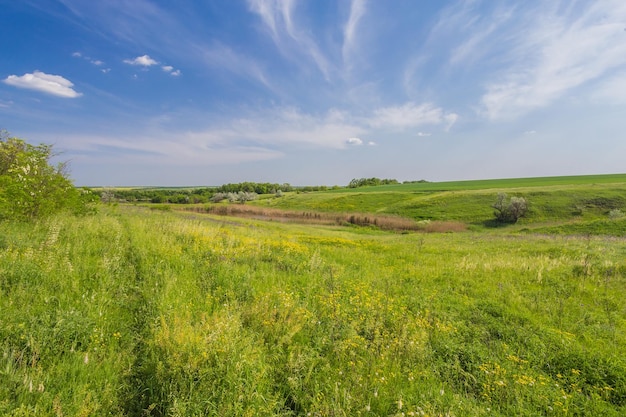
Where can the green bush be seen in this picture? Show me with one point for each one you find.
(511, 210)
(30, 186)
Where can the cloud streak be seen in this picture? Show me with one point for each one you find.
(410, 115)
(55, 85)
(558, 53)
(357, 11)
(279, 17)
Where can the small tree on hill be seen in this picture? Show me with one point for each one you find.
(509, 210)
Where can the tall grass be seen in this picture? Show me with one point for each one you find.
(135, 312)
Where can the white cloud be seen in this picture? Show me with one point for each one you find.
(409, 115)
(47, 83)
(170, 69)
(371, 143)
(77, 54)
(354, 141)
(423, 134)
(143, 60)
(97, 62)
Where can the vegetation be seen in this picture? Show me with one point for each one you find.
(254, 187)
(167, 313)
(511, 210)
(239, 197)
(369, 182)
(549, 201)
(196, 195)
(30, 187)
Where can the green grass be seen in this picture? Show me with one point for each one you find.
(137, 312)
(548, 203)
(498, 183)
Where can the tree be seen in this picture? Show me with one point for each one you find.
(509, 210)
(30, 187)
(365, 182)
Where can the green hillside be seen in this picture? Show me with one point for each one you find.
(554, 199)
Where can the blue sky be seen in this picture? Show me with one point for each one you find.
(156, 92)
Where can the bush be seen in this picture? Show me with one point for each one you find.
(509, 210)
(30, 187)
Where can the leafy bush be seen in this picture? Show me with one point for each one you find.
(511, 210)
(241, 197)
(30, 187)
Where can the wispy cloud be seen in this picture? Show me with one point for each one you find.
(95, 62)
(292, 42)
(357, 11)
(409, 115)
(55, 85)
(562, 48)
(224, 57)
(612, 90)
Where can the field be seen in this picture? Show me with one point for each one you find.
(135, 312)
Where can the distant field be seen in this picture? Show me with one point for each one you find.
(497, 183)
(551, 200)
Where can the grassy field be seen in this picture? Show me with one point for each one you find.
(552, 200)
(135, 312)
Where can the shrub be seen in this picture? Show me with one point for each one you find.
(30, 187)
(509, 210)
(242, 197)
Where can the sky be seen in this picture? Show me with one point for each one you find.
(316, 92)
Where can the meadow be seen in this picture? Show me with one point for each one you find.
(136, 312)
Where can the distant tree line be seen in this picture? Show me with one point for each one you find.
(254, 187)
(368, 182)
(235, 192)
